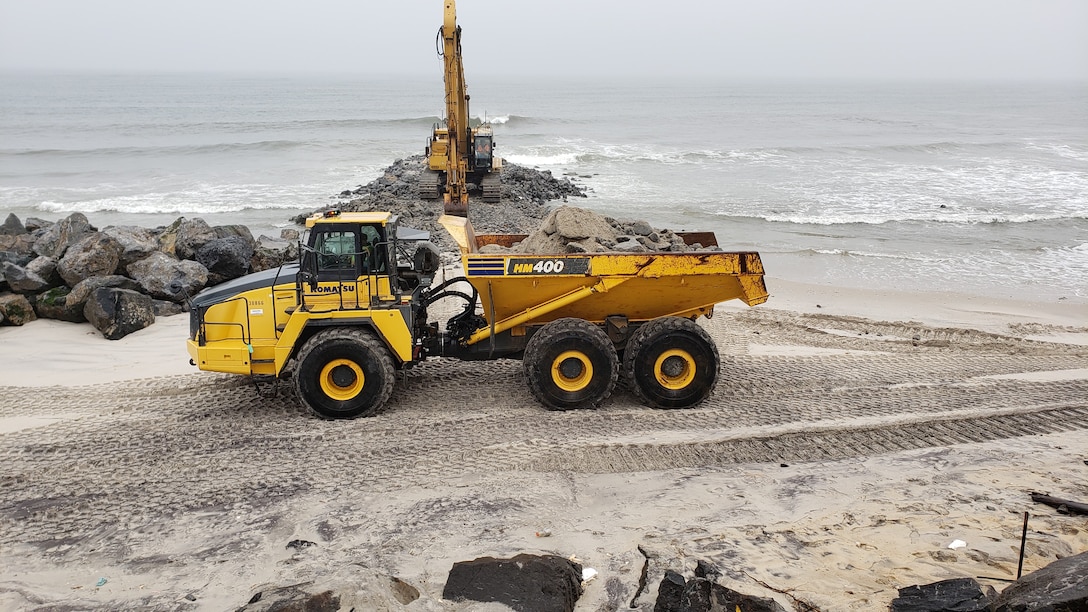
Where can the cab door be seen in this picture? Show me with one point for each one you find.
(336, 263)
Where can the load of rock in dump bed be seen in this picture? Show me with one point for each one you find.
(569, 229)
(526, 193)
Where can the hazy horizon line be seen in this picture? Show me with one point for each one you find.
(550, 76)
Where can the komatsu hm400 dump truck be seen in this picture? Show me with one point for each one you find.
(353, 311)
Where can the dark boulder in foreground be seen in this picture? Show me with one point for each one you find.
(77, 297)
(1061, 586)
(225, 258)
(526, 583)
(702, 594)
(352, 588)
(960, 594)
(118, 312)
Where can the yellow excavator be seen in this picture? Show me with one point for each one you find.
(458, 155)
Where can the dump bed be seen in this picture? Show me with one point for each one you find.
(517, 289)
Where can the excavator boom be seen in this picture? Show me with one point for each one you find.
(457, 154)
(455, 199)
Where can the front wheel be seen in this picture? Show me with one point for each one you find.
(344, 373)
(570, 363)
(671, 363)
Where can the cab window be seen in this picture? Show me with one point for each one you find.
(373, 249)
(337, 255)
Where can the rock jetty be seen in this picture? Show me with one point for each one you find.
(527, 195)
(121, 277)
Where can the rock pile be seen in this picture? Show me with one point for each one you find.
(121, 277)
(526, 193)
(524, 208)
(1061, 585)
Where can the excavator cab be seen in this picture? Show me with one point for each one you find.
(482, 149)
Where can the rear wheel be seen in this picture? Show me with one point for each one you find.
(344, 373)
(570, 363)
(671, 363)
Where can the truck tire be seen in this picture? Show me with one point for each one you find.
(344, 373)
(570, 363)
(671, 363)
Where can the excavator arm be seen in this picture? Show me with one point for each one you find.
(455, 199)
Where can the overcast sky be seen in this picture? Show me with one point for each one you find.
(914, 39)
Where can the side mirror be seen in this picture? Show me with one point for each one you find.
(308, 268)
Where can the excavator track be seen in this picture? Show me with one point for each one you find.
(491, 187)
(430, 184)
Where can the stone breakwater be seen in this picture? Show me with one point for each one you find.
(527, 207)
(527, 197)
(121, 277)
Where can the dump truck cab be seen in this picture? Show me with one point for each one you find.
(347, 260)
(353, 275)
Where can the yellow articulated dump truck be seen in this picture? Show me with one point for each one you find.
(353, 311)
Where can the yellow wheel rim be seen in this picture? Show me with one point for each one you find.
(341, 379)
(674, 369)
(572, 371)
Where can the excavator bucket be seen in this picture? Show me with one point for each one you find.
(456, 207)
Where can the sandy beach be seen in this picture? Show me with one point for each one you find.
(854, 435)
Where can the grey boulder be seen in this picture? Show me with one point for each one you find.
(191, 235)
(98, 254)
(136, 242)
(63, 234)
(21, 280)
(12, 226)
(83, 290)
(166, 278)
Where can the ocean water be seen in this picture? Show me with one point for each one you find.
(979, 188)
